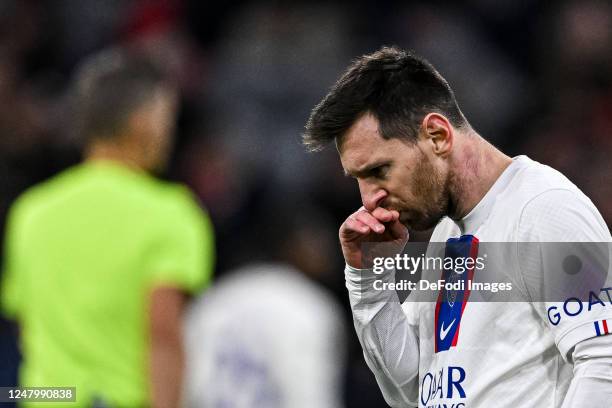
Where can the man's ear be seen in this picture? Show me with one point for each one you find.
(438, 132)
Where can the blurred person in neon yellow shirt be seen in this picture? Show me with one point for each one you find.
(100, 258)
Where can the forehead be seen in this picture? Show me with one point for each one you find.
(363, 144)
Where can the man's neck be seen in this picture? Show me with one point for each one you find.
(477, 167)
(102, 151)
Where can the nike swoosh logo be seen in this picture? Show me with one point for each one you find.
(443, 331)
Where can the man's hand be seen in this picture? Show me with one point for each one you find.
(362, 226)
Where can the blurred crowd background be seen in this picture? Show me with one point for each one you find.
(534, 77)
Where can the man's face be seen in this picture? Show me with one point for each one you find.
(396, 174)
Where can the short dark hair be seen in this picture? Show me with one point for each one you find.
(110, 86)
(398, 87)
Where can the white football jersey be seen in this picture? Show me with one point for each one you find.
(455, 353)
(264, 336)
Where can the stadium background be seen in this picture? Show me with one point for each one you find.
(534, 77)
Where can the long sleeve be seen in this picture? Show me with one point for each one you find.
(591, 385)
(390, 343)
(566, 227)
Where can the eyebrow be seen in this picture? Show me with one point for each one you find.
(367, 169)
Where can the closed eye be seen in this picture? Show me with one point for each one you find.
(379, 172)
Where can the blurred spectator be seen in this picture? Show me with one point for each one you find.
(99, 258)
(572, 131)
(267, 335)
(272, 62)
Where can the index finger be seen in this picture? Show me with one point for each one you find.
(384, 215)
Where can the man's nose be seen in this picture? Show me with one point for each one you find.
(371, 195)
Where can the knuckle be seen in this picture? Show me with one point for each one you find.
(366, 215)
(351, 225)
